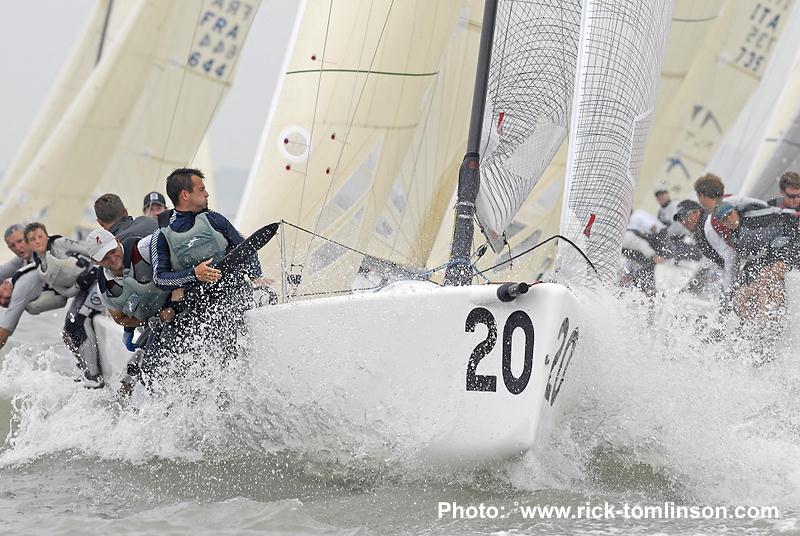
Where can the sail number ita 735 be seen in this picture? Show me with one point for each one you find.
(516, 384)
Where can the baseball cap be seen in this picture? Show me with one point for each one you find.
(684, 208)
(154, 198)
(722, 211)
(99, 242)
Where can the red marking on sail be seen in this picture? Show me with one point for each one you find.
(588, 229)
(500, 122)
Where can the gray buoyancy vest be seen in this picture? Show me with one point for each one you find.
(61, 273)
(189, 248)
(137, 296)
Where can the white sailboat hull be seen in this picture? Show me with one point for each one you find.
(420, 361)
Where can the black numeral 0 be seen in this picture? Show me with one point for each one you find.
(480, 382)
(518, 319)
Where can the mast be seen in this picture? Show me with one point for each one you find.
(103, 33)
(458, 271)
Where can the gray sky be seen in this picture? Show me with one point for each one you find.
(39, 34)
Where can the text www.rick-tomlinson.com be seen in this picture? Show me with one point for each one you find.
(606, 510)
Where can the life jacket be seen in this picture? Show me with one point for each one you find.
(61, 274)
(189, 248)
(31, 266)
(137, 296)
(764, 227)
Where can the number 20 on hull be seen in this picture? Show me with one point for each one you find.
(516, 384)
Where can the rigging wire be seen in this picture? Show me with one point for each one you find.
(540, 244)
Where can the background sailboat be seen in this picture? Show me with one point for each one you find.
(143, 109)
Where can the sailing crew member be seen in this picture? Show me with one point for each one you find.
(190, 239)
(639, 259)
(16, 294)
(757, 244)
(668, 207)
(24, 285)
(154, 204)
(789, 185)
(126, 285)
(64, 265)
(113, 216)
(15, 240)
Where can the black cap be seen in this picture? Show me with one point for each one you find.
(154, 198)
(684, 208)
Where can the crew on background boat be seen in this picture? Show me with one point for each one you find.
(789, 186)
(126, 284)
(112, 216)
(191, 238)
(154, 204)
(64, 266)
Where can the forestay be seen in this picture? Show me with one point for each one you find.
(619, 62)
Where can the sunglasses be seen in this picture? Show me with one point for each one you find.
(792, 196)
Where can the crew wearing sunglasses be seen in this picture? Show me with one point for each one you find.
(789, 185)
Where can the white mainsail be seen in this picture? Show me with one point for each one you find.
(619, 60)
(344, 116)
(144, 108)
(768, 110)
(421, 194)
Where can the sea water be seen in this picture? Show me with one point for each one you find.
(652, 418)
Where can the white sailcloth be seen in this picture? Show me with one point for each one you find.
(692, 22)
(422, 192)
(619, 61)
(129, 105)
(531, 80)
(727, 69)
(345, 113)
(768, 110)
(100, 33)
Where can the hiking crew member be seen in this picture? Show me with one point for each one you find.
(154, 204)
(758, 245)
(15, 240)
(190, 239)
(22, 288)
(113, 217)
(789, 185)
(667, 207)
(126, 284)
(65, 267)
